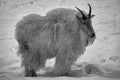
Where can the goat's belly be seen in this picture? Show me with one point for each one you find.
(49, 52)
(47, 48)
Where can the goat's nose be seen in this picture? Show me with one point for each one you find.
(92, 35)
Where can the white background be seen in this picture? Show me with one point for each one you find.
(105, 51)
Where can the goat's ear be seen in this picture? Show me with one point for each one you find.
(92, 16)
(77, 17)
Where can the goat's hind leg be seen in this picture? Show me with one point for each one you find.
(31, 63)
(30, 73)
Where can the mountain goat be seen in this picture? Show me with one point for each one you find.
(63, 33)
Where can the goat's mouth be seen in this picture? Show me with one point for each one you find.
(92, 35)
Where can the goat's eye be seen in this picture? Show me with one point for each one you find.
(84, 23)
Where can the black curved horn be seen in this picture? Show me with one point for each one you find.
(81, 12)
(89, 11)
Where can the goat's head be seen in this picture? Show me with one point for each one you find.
(85, 21)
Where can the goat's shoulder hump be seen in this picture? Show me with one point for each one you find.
(60, 13)
(33, 17)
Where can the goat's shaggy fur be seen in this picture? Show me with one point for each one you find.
(58, 34)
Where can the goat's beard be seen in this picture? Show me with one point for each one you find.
(89, 41)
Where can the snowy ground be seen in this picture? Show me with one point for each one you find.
(105, 52)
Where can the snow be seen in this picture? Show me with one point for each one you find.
(105, 52)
